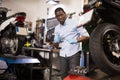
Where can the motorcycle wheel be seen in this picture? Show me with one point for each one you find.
(18, 44)
(14, 48)
(105, 48)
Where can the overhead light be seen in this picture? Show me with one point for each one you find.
(53, 2)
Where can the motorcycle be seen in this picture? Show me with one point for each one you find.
(104, 40)
(10, 41)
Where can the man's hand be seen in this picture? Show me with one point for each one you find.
(57, 39)
(72, 41)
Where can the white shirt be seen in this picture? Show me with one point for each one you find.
(69, 31)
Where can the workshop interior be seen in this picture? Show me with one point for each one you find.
(27, 33)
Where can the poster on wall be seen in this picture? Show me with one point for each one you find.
(51, 23)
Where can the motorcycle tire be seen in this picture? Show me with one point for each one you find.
(13, 50)
(100, 47)
(17, 49)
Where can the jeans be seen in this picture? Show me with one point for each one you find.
(67, 63)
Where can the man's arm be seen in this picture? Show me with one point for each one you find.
(82, 38)
(55, 45)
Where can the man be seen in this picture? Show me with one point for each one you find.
(69, 34)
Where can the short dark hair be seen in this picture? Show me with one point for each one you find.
(59, 9)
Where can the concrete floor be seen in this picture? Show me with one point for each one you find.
(95, 75)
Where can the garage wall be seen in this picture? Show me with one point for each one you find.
(68, 5)
(34, 8)
(37, 9)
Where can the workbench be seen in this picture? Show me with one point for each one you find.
(49, 51)
(12, 61)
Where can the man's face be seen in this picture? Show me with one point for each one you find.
(61, 16)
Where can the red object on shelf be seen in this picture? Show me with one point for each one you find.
(76, 77)
(20, 18)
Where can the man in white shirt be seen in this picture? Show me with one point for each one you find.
(69, 34)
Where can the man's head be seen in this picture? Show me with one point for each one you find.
(60, 15)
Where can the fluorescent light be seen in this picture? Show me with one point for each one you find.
(52, 2)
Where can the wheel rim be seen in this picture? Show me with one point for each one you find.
(14, 48)
(111, 46)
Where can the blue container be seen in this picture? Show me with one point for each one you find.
(82, 59)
